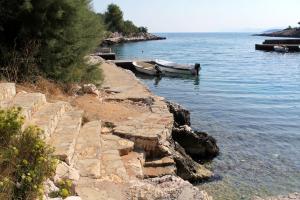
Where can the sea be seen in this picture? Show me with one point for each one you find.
(248, 100)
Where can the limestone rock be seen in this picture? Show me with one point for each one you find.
(167, 187)
(133, 163)
(105, 130)
(199, 145)
(113, 142)
(64, 171)
(91, 89)
(187, 168)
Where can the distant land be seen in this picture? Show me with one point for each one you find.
(288, 32)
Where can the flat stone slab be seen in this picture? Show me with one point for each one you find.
(113, 142)
(165, 161)
(133, 163)
(29, 102)
(112, 167)
(64, 137)
(92, 189)
(48, 116)
(87, 150)
(152, 172)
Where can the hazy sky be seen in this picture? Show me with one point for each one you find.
(207, 15)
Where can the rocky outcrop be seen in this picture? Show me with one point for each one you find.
(289, 32)
(181, 115)
(102, 163)
(167, 187)
(187, 168)
(119, 38)
(199, 145)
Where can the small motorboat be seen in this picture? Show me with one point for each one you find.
(148, 68)
(175, 68)
(281, 49)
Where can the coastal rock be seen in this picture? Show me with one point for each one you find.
(167, 188)
(181, 115)
(289, 32)
(91, 89)
(187, 168)
(199, 145)
(116, 38)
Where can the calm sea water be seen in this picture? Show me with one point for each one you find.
(248, 100)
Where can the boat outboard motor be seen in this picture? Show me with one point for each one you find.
(197, 68)
(158, 70)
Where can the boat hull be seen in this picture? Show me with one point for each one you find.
(175, 71)
(174, 68)
(141, 69)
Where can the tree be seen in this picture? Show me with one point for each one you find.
(129, 28)
(143, 29)
(64, 31)
(113, 18)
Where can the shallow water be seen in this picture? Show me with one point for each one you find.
(248, 100)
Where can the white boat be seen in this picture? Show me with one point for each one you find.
(281, 49)
(148, 68)
(171, 67)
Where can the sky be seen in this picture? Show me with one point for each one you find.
(207, 15)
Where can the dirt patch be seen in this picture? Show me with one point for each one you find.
(110, 111)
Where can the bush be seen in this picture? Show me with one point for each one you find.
(26, 161)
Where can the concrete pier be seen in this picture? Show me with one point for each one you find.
(283, 41)
(268, 45)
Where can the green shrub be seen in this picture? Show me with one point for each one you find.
(26, 161)
(65, 189)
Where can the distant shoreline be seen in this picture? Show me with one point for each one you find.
(118, 39)
(286, 33)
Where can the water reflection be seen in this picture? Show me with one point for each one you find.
(156, 80)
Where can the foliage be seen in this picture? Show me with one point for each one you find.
(114, 22)
(129, 28)
(26, 161)
(65, 189)
(143, 29)
(63, 32)
(113, 18)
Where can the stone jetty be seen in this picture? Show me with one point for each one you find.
(132, 158)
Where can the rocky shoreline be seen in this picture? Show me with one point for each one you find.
(117, 38)
(287, 33)
(170, 151)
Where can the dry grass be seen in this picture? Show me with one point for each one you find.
(53, 91)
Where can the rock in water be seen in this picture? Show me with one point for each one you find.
(187, 168)
(181, 115)
(199, 145)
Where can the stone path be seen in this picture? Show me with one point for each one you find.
(102, 166)
(80, 147)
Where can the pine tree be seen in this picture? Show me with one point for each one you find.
(64, 31)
